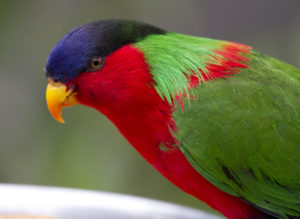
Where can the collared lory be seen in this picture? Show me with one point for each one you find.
(216, 118)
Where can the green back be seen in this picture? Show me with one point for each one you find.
(243, 134)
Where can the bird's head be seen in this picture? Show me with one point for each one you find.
(121, 66)
(97, 64)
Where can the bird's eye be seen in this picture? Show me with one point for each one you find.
(96, 63)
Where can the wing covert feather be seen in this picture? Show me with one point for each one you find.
(243, 134)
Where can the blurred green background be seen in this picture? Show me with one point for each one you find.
(88, 152)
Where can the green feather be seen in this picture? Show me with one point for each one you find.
(243, 134)
(171, 65)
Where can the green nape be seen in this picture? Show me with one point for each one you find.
(174, 57)
(243, 134)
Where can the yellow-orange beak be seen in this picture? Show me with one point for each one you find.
(58, 97)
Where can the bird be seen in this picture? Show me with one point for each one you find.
(218, 119)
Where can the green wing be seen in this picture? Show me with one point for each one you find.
(243, 134)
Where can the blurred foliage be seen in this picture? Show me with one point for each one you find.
(88, 151)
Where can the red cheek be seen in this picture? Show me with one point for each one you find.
(123, 80)
(106, 84)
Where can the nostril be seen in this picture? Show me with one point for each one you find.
(48, 75)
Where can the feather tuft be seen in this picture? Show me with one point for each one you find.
(179, 62)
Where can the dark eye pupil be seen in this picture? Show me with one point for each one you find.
(96, 63)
